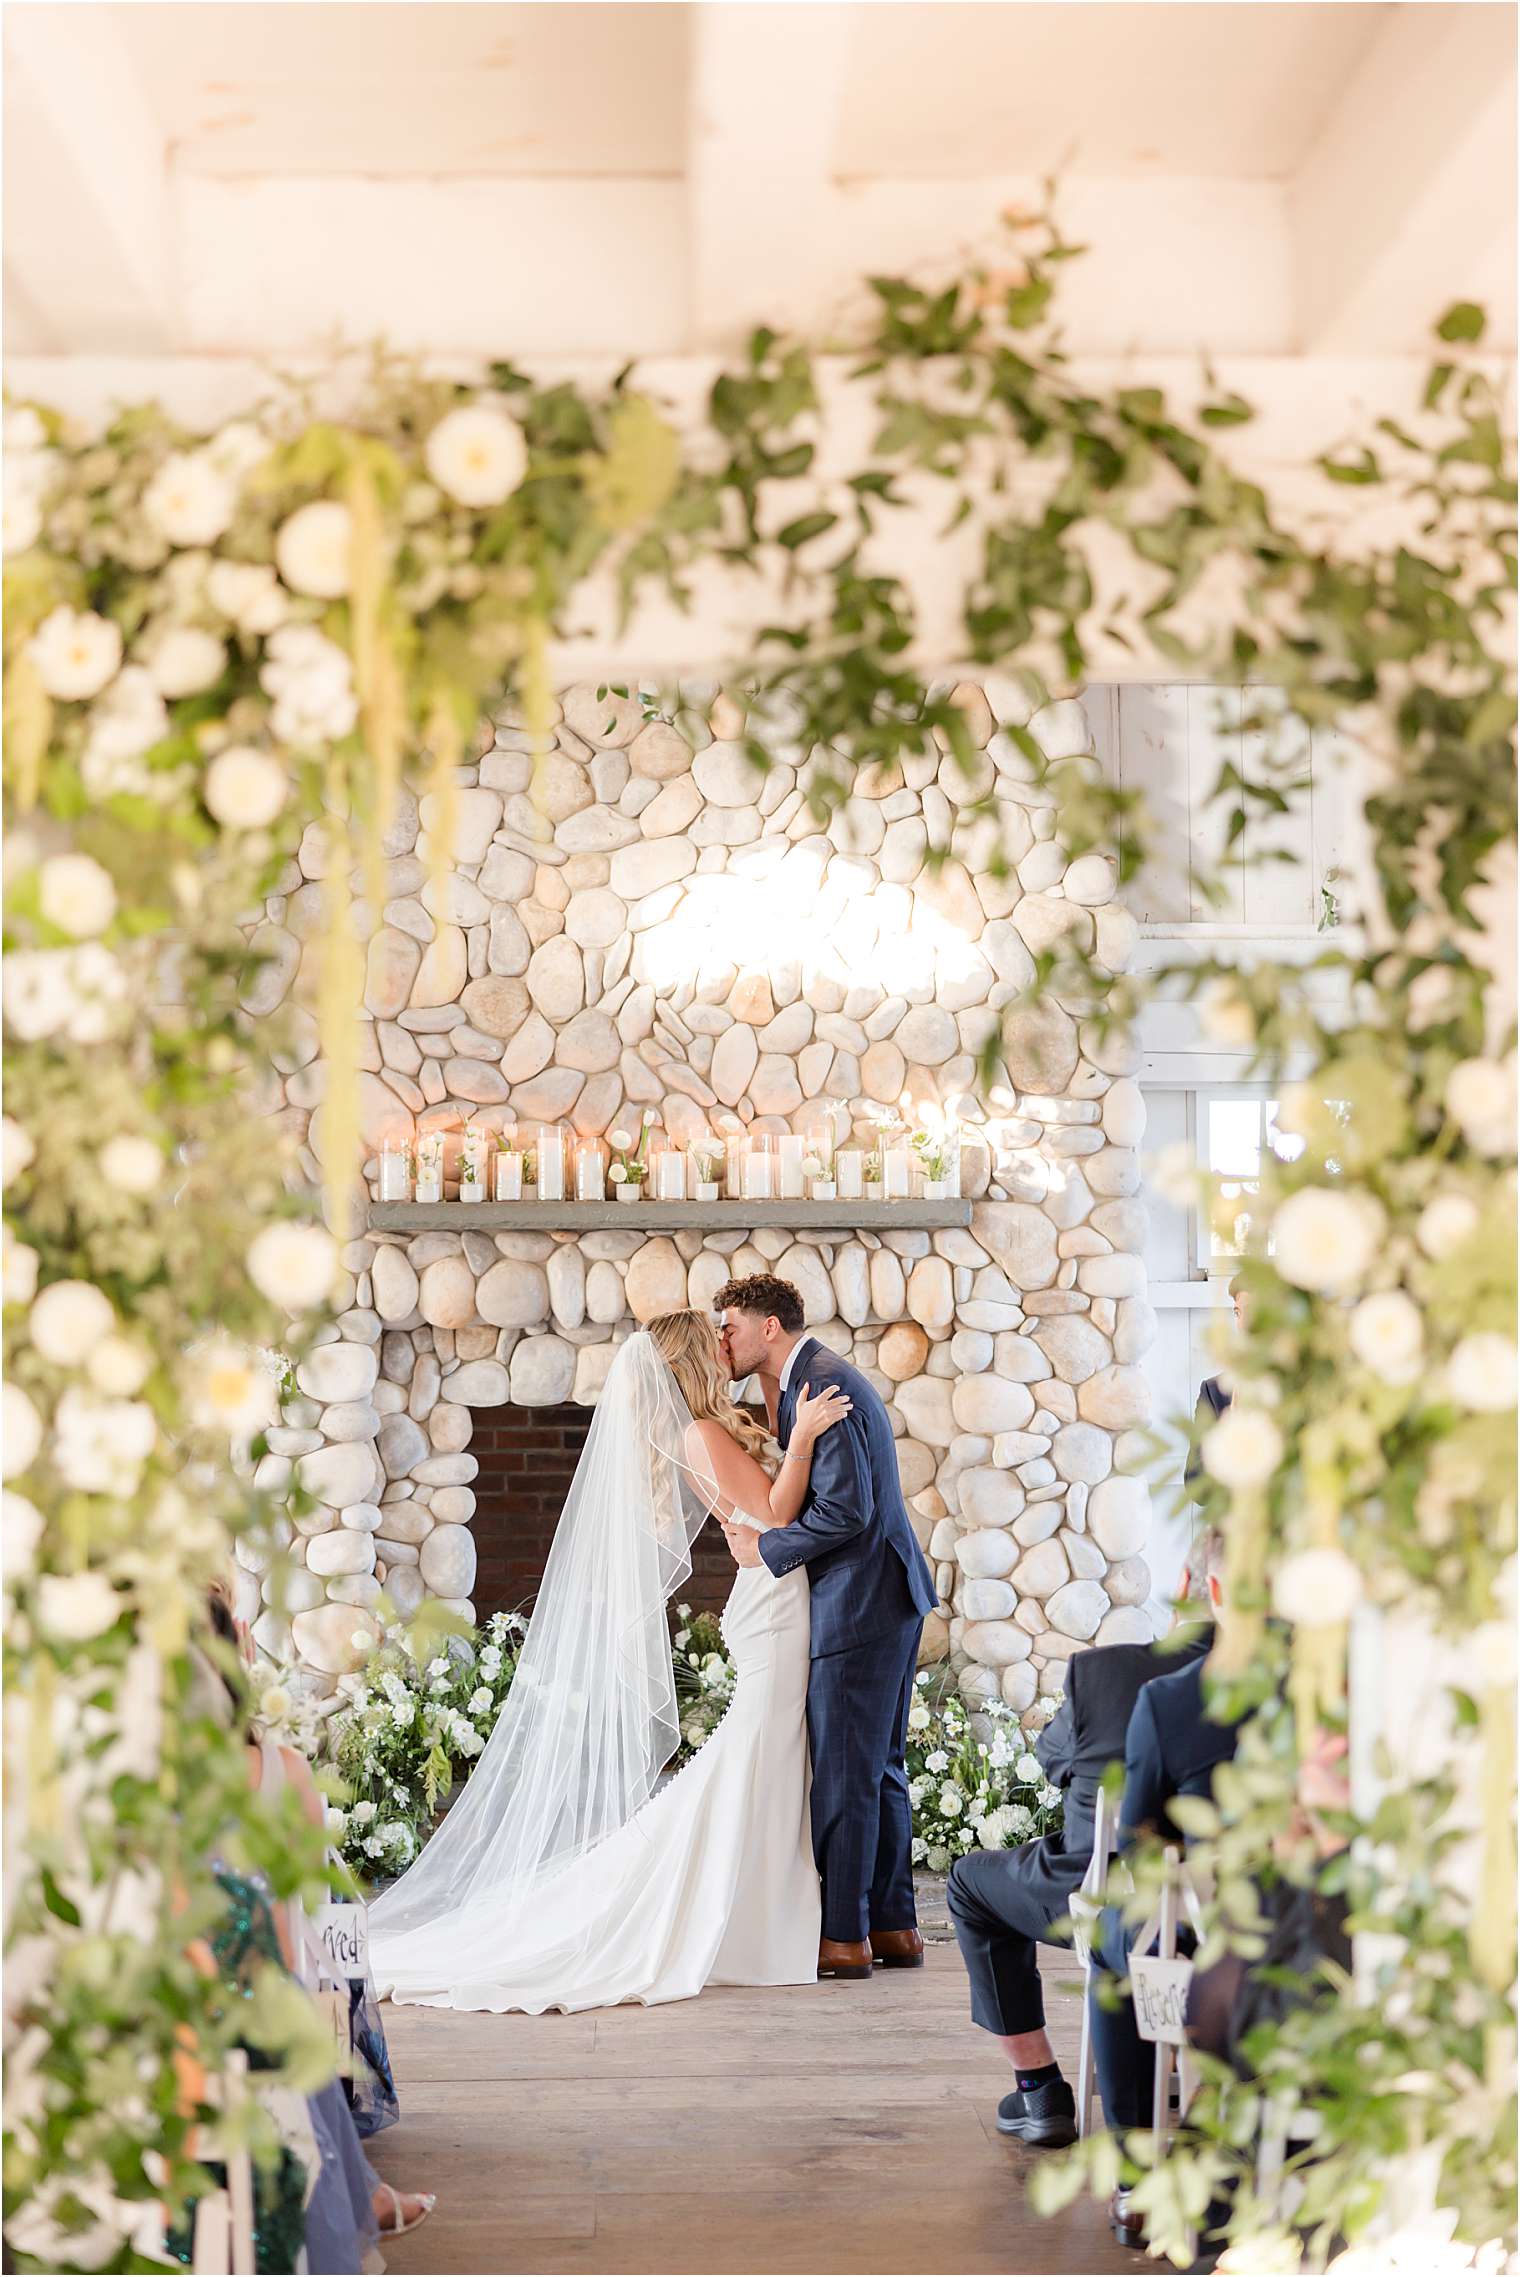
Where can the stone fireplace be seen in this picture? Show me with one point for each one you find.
(648, 924)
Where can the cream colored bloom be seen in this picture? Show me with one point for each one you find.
(1316, 1588)
(230, 1391)
(1325, 1238)
(1243, 1448)
(186, 661)
(312, 550)
(237, 448)
(1480, 1097)
(77, 894)
(293, 1265)
(248, 594)
(311, 681)
(1445, 1223)
(20, 511)
(100, 1445)
(477, 455)
(21, 1529)
(1226, 1014)
(76, 1606)
(18, 1269)
(132, 1165)
(76, 652)
(119, 1367)
(127, 722)
(190, 501)
(20, 1432)
(1491, 1649)
(68, 1320)
(1387, 1335)
(274, 1704)
(17, 1152)
(244, 788)
(1481, 1373)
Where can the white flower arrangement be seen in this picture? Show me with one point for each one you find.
(971, 1780)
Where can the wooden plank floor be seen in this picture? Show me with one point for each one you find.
(832, 2127)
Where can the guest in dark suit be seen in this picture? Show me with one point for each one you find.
(871, 1587)
(1214, 1393)
(1173, 1747)
(1004, 1902)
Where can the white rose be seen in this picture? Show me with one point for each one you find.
(76, 1606)
(118, 1367)
(274, 1704)
(70, 989)
(186, 661)
(312, 549)
(1445, 1223)
(17, 1153)
(1387, 1335)
(21, 1526)
(100, 1445)
(229, 1391)
(127, 722)
(244, 789)
(68, 1320)
(248, 595)
(478, 456)
(131, 1165)
(1481, 1373)
(1480, 1097)
(1243, 1448)
(311, 681)
(1325, 1239)
(237, 448)
(77, 894)
(18, 1269)
(919, 1718)
(293, 1265)
(190, 501)
(76, 653)
(1226, 1015)
(1316, 1588)
(20, 509)
(950, 1799)
(1027, 1770)
(20, 1432)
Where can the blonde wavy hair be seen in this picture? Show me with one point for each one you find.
(688, 1343)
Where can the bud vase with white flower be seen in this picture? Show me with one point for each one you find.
(430, 1167)
(472, 1166)
(707, 1160)
(821, 1185)
(935, 1155)
(875, 1190)
(629, 1166)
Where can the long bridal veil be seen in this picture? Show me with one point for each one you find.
(591, 1718)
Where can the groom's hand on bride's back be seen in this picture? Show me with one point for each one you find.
(743, 1543)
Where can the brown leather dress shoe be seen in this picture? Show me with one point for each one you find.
(1126, 2222)
(836, 1958)
(898, 1948)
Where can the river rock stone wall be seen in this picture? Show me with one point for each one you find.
(656, 925)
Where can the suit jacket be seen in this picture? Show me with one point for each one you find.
(1075, 1749)
(1214, 1396)
(868, 1575)
(1172, 1748)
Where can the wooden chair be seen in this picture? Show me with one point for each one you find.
(223, 2237)
(1086, 1906)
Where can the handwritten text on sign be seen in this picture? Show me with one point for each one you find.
(1160, 1993)
(343, 1933)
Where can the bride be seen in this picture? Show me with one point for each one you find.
(560, 1879)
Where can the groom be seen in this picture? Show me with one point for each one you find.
(870, 1591)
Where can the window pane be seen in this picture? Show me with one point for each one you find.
(1234, 1138)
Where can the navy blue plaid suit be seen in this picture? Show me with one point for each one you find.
(870, 1589)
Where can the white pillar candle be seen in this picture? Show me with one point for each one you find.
(757, 1176)
(735, 1155)
(897, 1172)
(509, 1168)
(551, 1166)
(849, 1169)
(793, 1153)
(670, 1175)
(590, 1178)
(395, 1186)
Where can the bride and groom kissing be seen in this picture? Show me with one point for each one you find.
(567, 1876)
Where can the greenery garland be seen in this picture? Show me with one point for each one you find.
(215, 645)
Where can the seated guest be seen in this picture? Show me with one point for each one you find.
(1214, 1393)
(1173, 1747)
(1004, 1902)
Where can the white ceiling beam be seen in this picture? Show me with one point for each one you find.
(766, 84)
(89, 238)
(1406, 201)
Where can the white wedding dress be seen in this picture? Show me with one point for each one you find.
(568, 1883)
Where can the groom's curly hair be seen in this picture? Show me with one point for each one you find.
(766, 1294)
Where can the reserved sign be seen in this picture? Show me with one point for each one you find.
(342, 1932)
(1160, 1990)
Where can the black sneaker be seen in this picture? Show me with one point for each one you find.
(1046, 2115)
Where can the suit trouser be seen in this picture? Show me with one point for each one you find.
(1126, 2064)
(999, 1952)
(857, 1709)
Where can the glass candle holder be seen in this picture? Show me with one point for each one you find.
(430, 1167)
(667, 1167)
(791, 1159)
(850, 1173)
(759, 1168)
(472, 1166)
(735, 1155)
(509, 1172)
(590, 1171)
(551, 1163)
(395, 1171)
(897, 1170)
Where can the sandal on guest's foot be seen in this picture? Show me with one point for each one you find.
(398, 2225)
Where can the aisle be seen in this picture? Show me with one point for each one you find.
(839, 2127)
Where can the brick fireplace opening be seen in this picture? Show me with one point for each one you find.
(527, 1458)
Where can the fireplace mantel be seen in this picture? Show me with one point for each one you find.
(663, 1217)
